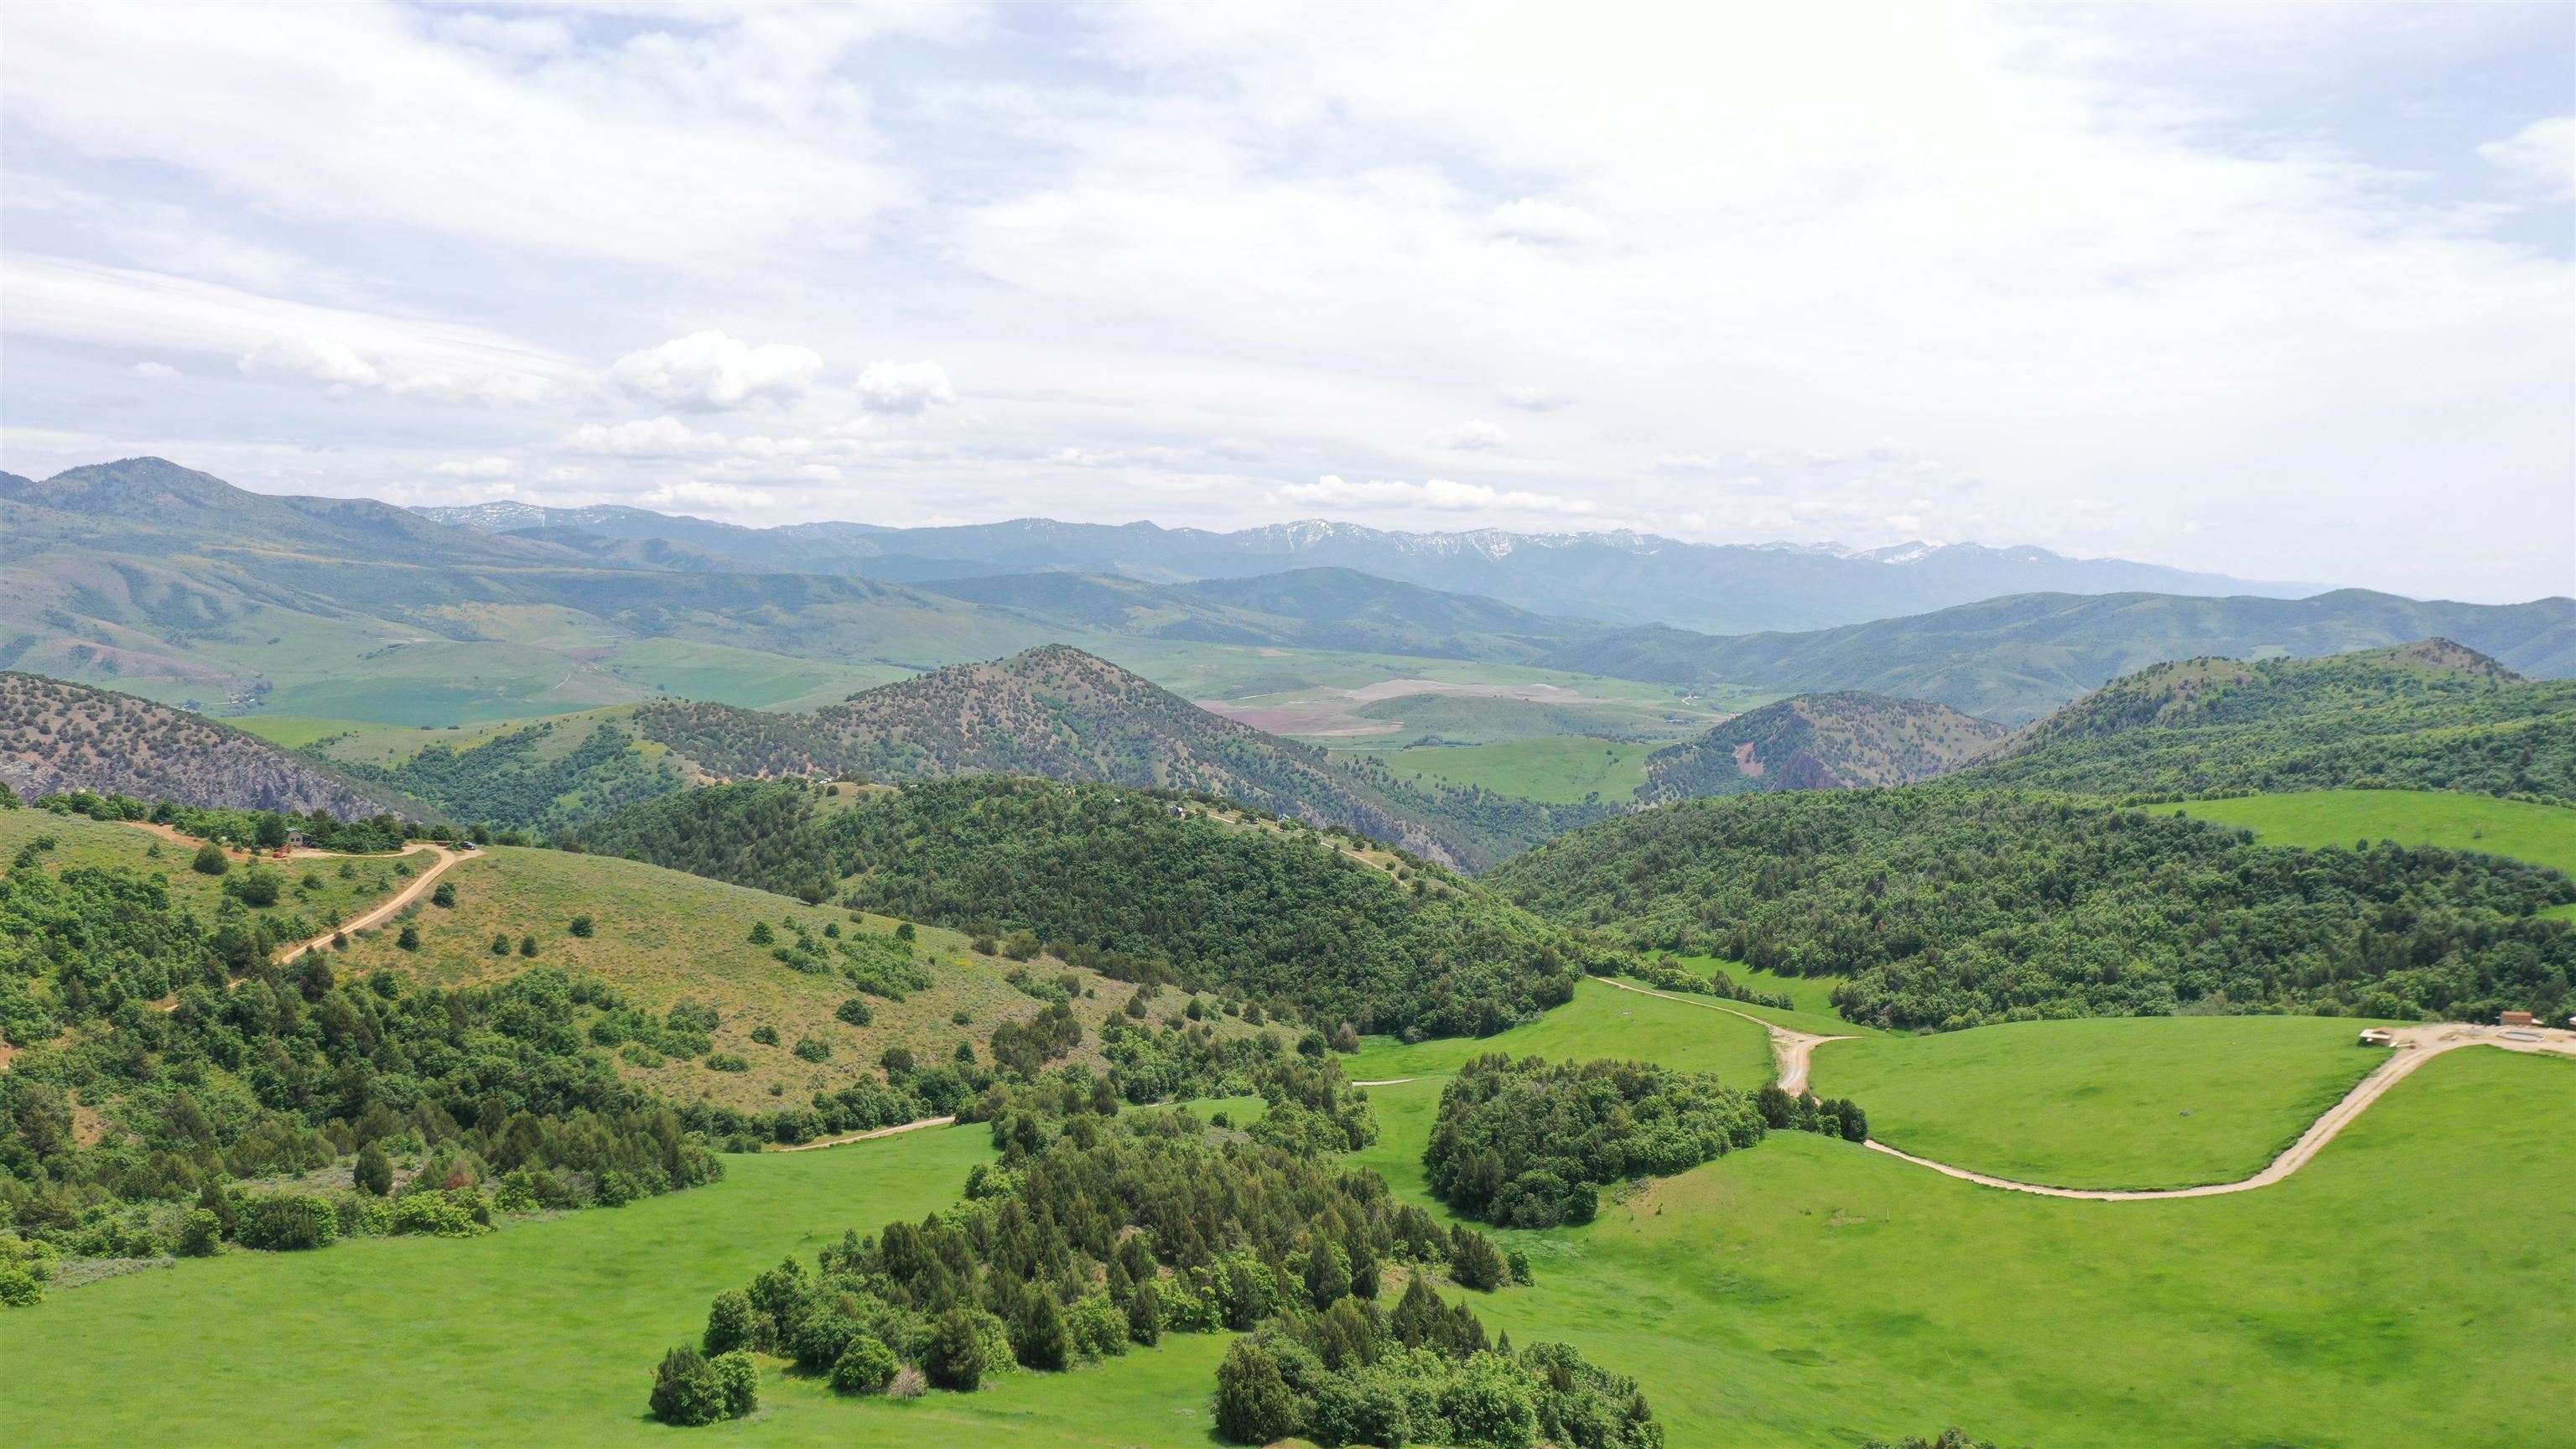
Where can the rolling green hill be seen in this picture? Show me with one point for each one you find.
(1820, 742)
(2014, 659)
(2427, 715)
(57, 737)
(1145, 884)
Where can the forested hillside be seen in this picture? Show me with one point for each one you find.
(1950, 908)
(1820, 742)
(2431, 715)
(1115, 878)
(550, 775)
(57, 737)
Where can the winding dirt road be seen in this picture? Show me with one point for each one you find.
(383, 911)
(2415, 1045)
(901, 1127)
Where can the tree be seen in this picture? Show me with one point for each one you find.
(270, 833)
(1253, 1404)
(201, 1234)
(686, 1389)
(728, 1322)
(1145, 1314)
(527, 945)
(855, 1012)
(581, 926)
(445, 895)
(409, 940)
(1474, 1262)
(210, 860)
(500, 945)
(1038, 1338)
(373, 1174)
(1328, 1273)
(955, 1359)
(865, 1367)
(761, 935)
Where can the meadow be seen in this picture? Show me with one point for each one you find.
(1600, 1021)
(314, 888)
(2119, 1102)
(1557, 769)
(2541, 834)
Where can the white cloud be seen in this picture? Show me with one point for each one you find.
(2541, 155)
(494, 467)
(1467, 437)
(1533, 397)
(724, 497)
(156, 372)
(309, 359)
(1687, 463)
(711, 372)
(903, 387)
(1549, 223)
(1437, 493)
(663, 437)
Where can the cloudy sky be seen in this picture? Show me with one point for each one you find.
(2288, 293)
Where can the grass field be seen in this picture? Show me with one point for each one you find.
(329, 897)
(2130, 1102)
(2541, 834)
(1601, 1021)
(1559, 769)
(1814, 995)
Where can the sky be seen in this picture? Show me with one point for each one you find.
(2284, 292)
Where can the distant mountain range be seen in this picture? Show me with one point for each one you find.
(174, 584)
(1622, 577)
(1834, 741)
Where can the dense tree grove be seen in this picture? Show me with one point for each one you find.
(1950, 907)
(1099, 1229)
(1531, 1143)
(521, 780)
(1111, 878)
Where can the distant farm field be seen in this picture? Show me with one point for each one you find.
(2541, 834)
(2129, 1102)
(1558, 769)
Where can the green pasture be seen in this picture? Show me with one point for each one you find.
(2123, 1102)
(1601, 1021)
(1558, 769)
(2541, 834)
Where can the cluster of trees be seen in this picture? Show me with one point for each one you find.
(1113, 879)
(1531, 1143)
(1951, 907)
(263, 829)
(1098, 1229)
(518, 780)
(1666, 974)
(289, 1070)
(1423, 1373)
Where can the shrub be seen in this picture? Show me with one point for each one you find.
(287, 1222)
(1097, 1327)
(409, 940)
(210, 860)
(813, 1049)
(761, 935)
(445, 895)
(254, 887)
(739, 1379)
(765, 1035)
(580, 926)
(1474, 1262)
(908, 1384)
(201, 1234)
(726, 1062)
(1253, 1404)
(867, 1366)
(500, 945)
(686, 1390)
(527, 945)
(855, 1012)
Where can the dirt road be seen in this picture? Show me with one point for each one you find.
(383, 911)
(869, 1136)
(1795, 1051)
(2416, 1046)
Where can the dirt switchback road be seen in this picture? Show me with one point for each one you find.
(385, 910)
(869, 1136)
(2416, 1045)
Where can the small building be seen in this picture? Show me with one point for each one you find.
(295, 840)
(2513, 1018)
(2378, 1036)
